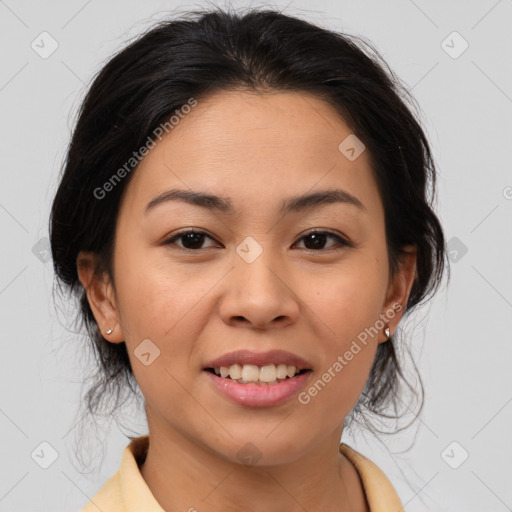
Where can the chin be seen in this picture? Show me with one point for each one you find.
(263, 449)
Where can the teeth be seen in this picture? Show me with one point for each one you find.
(268, 374)
(235, 371)
(250, 373)
(282, 371)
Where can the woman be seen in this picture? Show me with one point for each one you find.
(245, 216)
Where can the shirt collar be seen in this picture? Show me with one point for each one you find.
(135, 493)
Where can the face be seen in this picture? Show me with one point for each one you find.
(261, 280)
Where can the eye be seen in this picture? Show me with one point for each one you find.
(316, 240)
(191, 239)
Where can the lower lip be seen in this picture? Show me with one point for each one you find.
(256, 395)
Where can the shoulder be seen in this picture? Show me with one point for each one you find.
(108, 498)
(126, 491)
(379, 491)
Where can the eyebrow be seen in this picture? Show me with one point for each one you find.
(224, 205)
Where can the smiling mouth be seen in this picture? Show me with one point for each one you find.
(265, 375)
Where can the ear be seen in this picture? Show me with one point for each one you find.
(398, 291)
(101, 296)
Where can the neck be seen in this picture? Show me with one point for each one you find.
(183, 475)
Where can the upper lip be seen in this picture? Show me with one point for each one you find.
(276, 357)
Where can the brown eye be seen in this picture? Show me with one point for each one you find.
(190, 240)
(193, 240)
(316, 240)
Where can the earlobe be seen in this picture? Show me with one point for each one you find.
(399, 290)
(100, 296)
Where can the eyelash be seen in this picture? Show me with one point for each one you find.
(342, 241)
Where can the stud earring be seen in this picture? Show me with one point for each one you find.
(110, 331)
(386, 332)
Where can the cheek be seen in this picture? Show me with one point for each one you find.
(347, 311)
(347, 300)
(155, 296)
(169, 308)
(347, 304)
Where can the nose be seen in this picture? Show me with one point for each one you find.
(259, 295)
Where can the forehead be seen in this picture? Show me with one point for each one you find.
(249, 144)
(275, 123)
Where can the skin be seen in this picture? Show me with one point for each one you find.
(257, 150)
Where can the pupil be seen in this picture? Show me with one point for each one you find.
(194, 239)
(318, 240)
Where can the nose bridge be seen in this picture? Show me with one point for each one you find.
(257, 263)
(257, 292)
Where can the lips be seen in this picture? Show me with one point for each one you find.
(246, 357)
(256, 395)
(263, 379)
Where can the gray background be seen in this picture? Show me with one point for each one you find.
(461, 340)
